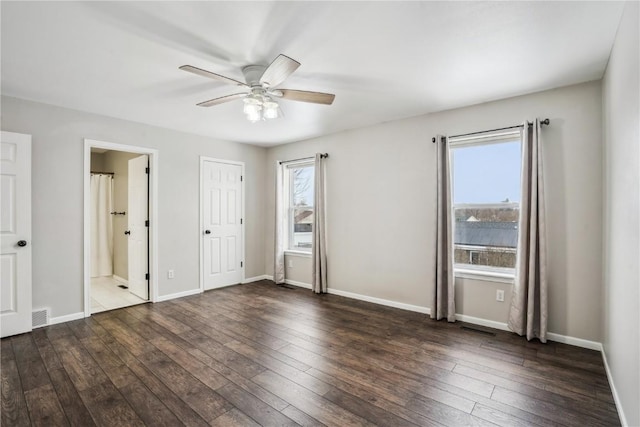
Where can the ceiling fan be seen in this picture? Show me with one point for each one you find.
(260, 88)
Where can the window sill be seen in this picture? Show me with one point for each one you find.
(488, 276)
(301, 254)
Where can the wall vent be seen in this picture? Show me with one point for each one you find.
(40, 318)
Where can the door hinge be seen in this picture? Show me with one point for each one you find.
(241, 177)
(146, 170)
(146, 276)
(240, 220)
(241, 263)
(146, 223)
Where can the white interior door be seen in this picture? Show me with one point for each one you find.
(15, 233)
(138, 214)
(222, 238)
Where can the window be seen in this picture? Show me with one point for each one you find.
(486, 202)
(300, 183)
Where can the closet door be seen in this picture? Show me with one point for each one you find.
(222, 238)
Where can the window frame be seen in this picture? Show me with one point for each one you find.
(291, 208)
(482, 272)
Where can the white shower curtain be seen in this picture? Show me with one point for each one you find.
(101, 225)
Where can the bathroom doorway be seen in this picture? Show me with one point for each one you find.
(117, 227)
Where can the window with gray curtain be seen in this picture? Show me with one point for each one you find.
(294, 213)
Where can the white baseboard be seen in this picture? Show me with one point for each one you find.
(388, 303)
(66, 318)
(299, 284)
(578, 342)
(255, 279)
(120, 279)
(482, 322)
(616, 397)
(178, 295)
(361, 297)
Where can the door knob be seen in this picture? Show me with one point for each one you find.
(22, 243)
(127, 232)
(207, 231)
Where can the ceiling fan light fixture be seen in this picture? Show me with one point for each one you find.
(258, 106)
(270, 109)
(261, 83)
(254, 117)
(252, 108)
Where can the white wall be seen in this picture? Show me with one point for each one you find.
(57, 198)
(381, 206)
(621, 338)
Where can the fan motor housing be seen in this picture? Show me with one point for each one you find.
(252, 74)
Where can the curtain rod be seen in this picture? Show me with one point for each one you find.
(103, 173)
(324, 156)
(542, 122)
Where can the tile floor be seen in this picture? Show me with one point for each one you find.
(106, 295)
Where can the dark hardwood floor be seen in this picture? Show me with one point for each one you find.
(259, 354)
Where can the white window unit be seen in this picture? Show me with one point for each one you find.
(485, 173)
(300, 209)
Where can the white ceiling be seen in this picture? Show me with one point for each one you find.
(383, 60)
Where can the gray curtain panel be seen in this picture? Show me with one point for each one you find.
(319, 247)
(280, 226)
(443, 303)
(528, 311)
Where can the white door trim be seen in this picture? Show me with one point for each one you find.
(153, 215)
(201, 227)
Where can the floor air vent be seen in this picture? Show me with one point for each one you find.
(40, 318)
(479, 331)
(283, 285)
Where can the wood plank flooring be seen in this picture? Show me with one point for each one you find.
(259, 354)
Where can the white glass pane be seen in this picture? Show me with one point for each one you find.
(302, 186)
(486, 173)
(302, 228)
(486, 236)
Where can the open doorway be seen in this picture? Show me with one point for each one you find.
(119, 241)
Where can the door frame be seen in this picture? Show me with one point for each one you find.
(153, 215)
(201, 221)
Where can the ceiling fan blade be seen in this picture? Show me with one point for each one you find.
(306, 96)
(209, 74)
(221, 100)
(279, 70)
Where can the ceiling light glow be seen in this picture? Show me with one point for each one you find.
(259, 106)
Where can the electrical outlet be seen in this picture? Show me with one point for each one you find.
(171, 274)
(290, 263)
(500, 295)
